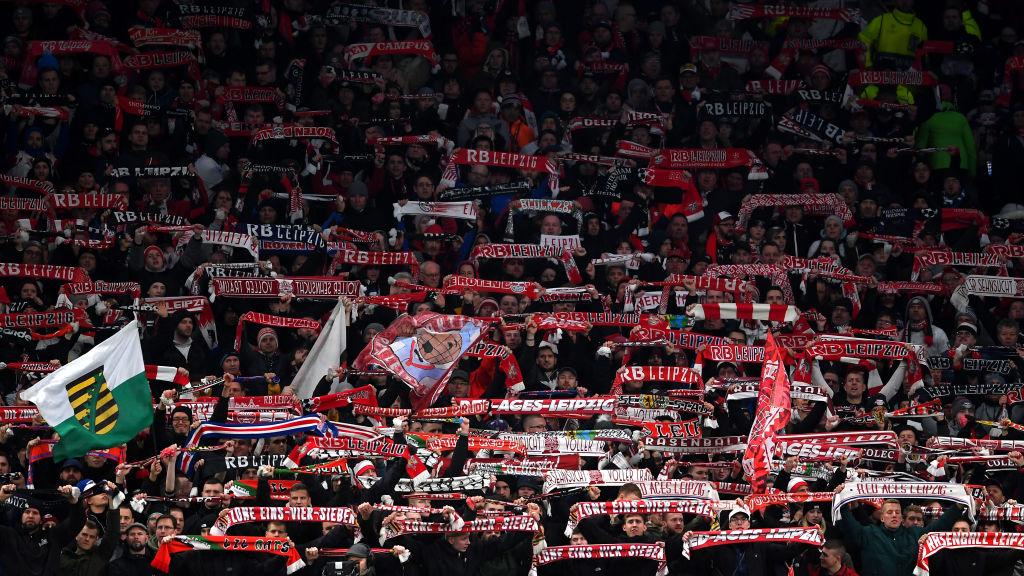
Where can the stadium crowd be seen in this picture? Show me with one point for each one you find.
(510, 287)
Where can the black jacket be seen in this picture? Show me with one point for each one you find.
(133, 564)
(438, 558)
(93, 562)
(36, 553)
(762, 559)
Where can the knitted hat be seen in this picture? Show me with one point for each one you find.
(264, 332)
(363, 468)
(184, 410)
(154, 248)
(796, 484)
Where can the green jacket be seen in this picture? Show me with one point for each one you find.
(891, 552)
(948, 128)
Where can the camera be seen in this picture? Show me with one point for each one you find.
(346, 568)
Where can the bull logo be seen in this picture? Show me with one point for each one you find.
(93, 403)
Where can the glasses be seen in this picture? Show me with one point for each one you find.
(179, 419)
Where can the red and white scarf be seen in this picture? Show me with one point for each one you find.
(558, 479)
(461, 283)
(856, 491)
(928, 258)
(654, 552)
(986, 286)
(714, 159)
(440, 142)
(763, 312)
(60, 48)
(141, 36)
(903, 287)
(749, 11)
(87, 200)
(457, 210)
(43, 271)
(552, 406)
(587, 509)
(529, 251)
(891, 78)
(47, 319)
(360, 258)
(310, 287)
(422, 48)
(23, 204)
(247, 242)
(866, 438)
(709, 539)
(813, 204)
(727, 46)
(686, 429)
(570, 207)
(197, 305)
(761, 501)
(776, 274)
(246, 515)
(169, 59)
(465, 156)
(295, 132)
(938, 541)
(270, 320)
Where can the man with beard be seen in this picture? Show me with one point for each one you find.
(30, 549)
(720, 240)
(136, 556)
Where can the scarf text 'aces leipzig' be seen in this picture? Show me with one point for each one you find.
(773, 406)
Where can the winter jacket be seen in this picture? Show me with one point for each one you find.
(949, 128)
(36, 553)
(886, 552)
(133, 564)
(438, 558)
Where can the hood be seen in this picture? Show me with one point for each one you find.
(927, 309)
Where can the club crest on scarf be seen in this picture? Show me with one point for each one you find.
(429, 349)
(94, 405)
(421, 351)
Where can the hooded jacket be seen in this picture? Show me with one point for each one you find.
(933, 337)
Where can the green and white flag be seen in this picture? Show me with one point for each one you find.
(99, 400)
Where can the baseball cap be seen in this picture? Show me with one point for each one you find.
(737, 511)
(688, 68)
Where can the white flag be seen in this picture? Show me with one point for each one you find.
(326, 353)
